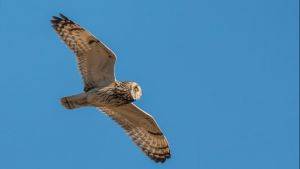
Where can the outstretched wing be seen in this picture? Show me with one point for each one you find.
(143, 130)
(95, 60)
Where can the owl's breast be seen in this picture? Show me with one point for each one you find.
(109, 96)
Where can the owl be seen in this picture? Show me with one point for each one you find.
(101, 89)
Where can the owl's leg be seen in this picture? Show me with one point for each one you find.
(75, 101)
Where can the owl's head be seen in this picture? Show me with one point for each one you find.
(135, 90)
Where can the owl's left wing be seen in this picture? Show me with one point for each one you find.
(95, 60)
(143, 130)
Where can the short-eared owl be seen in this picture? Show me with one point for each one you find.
(101, 89)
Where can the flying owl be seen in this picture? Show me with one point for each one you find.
(101, 89)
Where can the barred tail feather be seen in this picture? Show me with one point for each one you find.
(75, 101)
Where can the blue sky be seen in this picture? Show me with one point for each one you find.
(220, 77)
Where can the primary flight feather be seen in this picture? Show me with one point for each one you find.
(101, 89)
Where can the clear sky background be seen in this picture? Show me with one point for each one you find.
(220, 77)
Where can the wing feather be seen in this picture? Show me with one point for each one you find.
(142, 129)
(95, 60)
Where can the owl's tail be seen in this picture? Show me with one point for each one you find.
(74, 101)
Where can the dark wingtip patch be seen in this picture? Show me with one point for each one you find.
(158, 158)
(56, 18)
(161, 160)
(55, 21)
(63, 16)
(60, 21)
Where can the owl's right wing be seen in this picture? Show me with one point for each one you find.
(143, 130)
(95, 60)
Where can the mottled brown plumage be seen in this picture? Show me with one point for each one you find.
(95, 60)
(96, 64)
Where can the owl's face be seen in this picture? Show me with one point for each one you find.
(136, 90)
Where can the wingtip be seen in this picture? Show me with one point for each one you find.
(63, 16)
(161, 160)
(59, 18)
(55, 19)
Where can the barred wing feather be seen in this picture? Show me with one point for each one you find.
(95, 60)
(143, 130)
